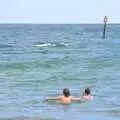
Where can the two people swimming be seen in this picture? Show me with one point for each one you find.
(66, 98)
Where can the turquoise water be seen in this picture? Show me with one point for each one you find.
(38, 61)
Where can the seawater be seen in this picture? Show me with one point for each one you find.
(38, 60)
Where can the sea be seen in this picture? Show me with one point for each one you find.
(37, 61)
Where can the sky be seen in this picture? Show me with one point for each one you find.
(59, 11)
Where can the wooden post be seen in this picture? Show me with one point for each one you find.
(104, 29)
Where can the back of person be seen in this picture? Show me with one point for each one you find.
(66, 100)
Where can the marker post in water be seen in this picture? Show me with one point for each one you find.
(104, 29)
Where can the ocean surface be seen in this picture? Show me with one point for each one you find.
(38, 60)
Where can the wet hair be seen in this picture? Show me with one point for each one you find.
(66, 92)
(87, 91)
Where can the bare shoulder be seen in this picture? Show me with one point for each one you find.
(89, 97)
(61, 97)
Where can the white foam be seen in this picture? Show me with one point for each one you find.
(44, 45)
(50, 44)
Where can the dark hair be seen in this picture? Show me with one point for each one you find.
(87, 91)
(66, 92)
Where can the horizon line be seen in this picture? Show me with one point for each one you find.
(57, 23)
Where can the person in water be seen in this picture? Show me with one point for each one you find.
(87, 94)
(66, 98)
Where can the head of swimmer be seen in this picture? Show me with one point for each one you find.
(87, 91)
(66, 92)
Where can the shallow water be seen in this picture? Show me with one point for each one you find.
(38, 61)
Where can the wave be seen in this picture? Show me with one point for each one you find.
(42, 44)
(5, 46)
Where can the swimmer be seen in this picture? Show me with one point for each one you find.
(66, 98)
(87, 94)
